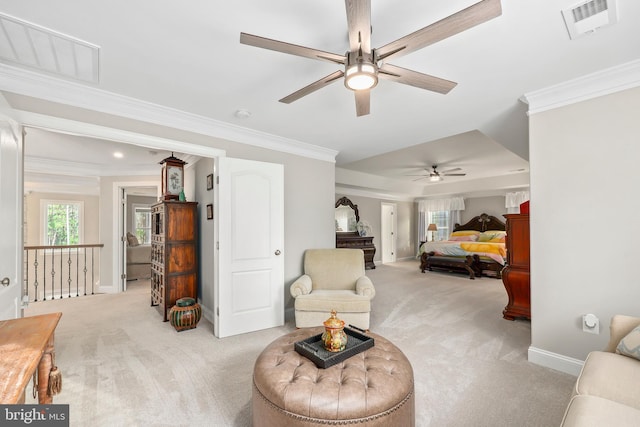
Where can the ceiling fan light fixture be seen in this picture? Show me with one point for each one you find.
(361, 76)
(435, 178)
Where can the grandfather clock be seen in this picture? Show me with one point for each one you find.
(172, 177)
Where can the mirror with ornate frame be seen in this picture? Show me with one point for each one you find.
(346, 216)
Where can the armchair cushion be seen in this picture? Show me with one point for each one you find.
(334, 268)
(341, 301)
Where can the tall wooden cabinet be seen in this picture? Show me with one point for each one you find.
(515, 275)
(174, 268)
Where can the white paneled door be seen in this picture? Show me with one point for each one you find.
(10, 221)
(249, 293)
(388, 226)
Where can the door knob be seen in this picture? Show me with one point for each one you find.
(5, 282)
(277, 252)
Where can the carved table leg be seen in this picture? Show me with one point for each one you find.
(468, 265)
(44, 369)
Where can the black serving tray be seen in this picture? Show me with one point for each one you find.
(313, 348)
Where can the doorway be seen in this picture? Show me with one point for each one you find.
(389, 225)
(135, 217)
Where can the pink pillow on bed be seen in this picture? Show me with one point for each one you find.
(471, 238)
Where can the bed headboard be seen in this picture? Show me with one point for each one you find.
(481, 223)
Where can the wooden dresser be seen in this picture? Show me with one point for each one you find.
(174, 267)
(355, 241)
(515, 275)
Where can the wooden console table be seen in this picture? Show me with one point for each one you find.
(26, 344)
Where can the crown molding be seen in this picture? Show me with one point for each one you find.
(605, 82)
(83, 169)
(28, 83)
(373, 194)
(72, 127)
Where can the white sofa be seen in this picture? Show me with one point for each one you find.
(607, 391)
(138, 262)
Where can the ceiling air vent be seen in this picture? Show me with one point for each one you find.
(28, 45)
(586, 17)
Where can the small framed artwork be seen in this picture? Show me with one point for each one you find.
(209, 211)
(209, 181)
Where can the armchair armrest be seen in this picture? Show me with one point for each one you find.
(364, 287)
(301, 286)
(620, 326)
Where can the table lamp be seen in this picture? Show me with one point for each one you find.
(432, 228)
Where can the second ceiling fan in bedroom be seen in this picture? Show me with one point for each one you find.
(435, 176)
(364, 65)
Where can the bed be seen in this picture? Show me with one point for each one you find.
(477, 248)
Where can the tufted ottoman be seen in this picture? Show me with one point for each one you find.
(372, 388)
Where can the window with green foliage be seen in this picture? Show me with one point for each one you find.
(62, 222)
(142, 223)
(441, 220)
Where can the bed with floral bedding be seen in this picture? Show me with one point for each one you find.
(476, 247)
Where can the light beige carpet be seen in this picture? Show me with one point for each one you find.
(123, 366)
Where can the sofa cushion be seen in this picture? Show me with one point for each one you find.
(630, 344)
(132, 240)
(341, 301)
(610, 376)
(592, 411)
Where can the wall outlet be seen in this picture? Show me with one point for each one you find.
(591, 324)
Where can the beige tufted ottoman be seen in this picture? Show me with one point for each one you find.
(372, 388)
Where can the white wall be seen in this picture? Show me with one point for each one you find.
(584, 221)
(206, 236)
(491, 205)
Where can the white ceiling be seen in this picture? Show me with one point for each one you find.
(188, 57)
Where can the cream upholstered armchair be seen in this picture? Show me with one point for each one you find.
(334, 279)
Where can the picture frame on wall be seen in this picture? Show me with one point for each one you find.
(209, 211)
(209, 181)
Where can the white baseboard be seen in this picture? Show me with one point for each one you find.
(556, 361)
(207, 313)
(107, 289)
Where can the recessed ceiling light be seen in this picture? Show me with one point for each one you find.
(118, 155)
(243, 114)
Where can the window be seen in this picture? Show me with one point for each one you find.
(441, 220)
(62, 222)
(142, 223)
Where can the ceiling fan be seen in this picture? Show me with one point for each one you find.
(435, 176)
(364, 64)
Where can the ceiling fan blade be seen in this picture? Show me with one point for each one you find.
(293, 49)
(363, 102)
(418, 179)
(359, 24)
(454, 174)
(446, 27)
(416, 79)
(312, 87)
(452, 170)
